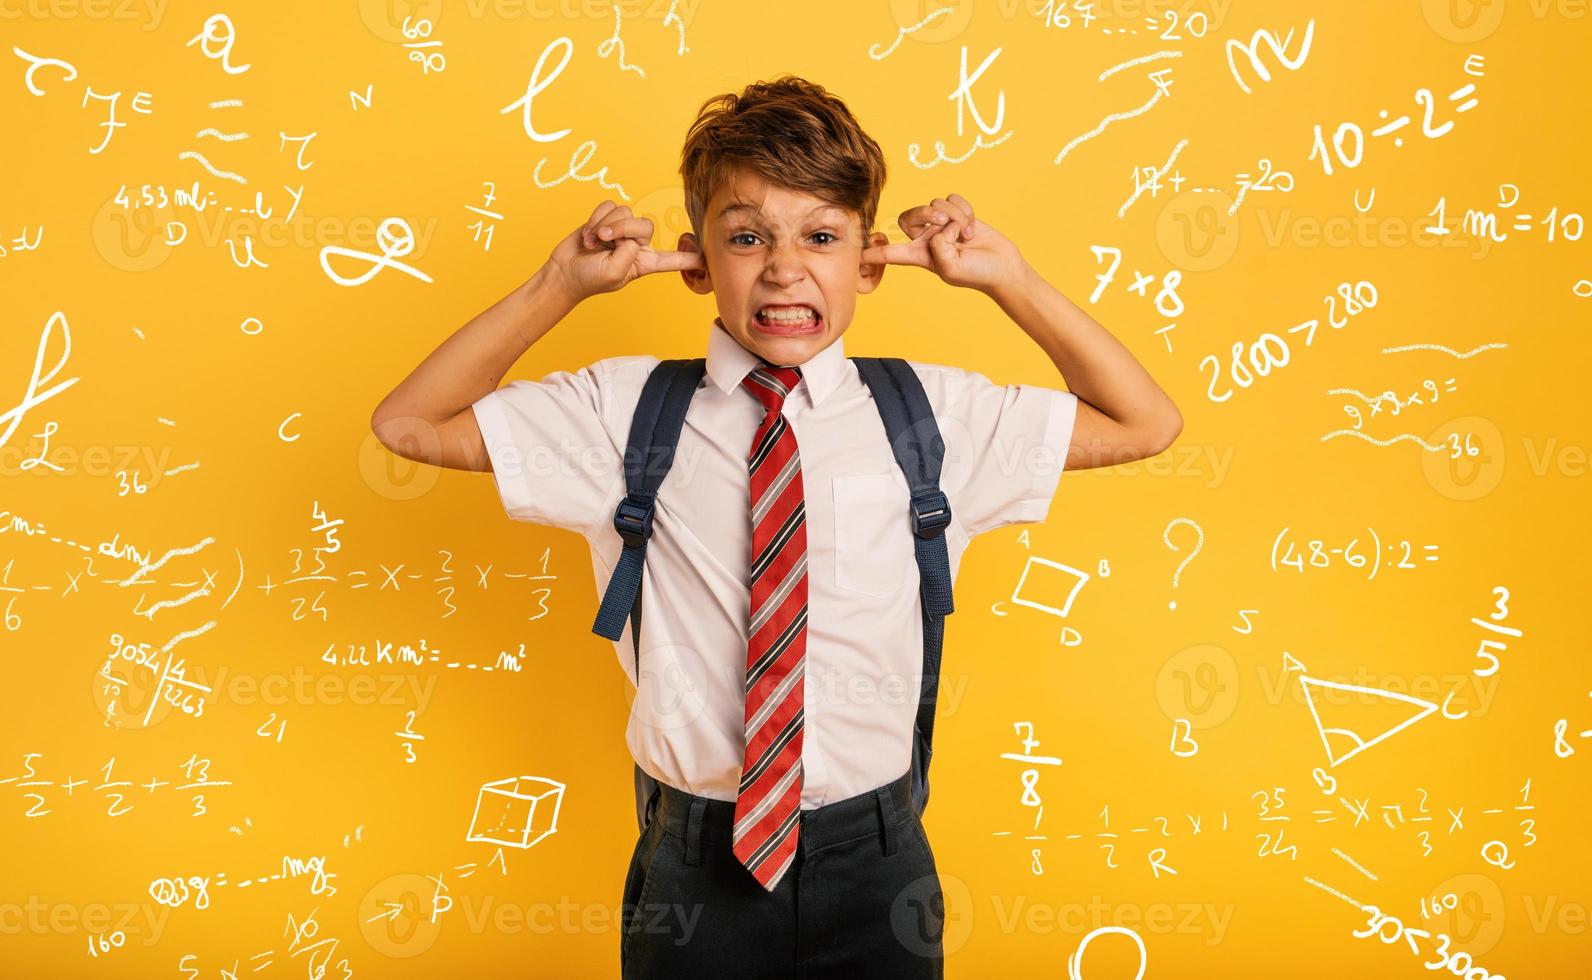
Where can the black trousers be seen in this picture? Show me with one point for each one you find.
(861, 898)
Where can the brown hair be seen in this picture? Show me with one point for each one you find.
(792, 133)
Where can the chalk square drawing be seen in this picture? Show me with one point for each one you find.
(1047, 588)
(509, 811)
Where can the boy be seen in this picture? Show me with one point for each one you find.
(781, 561)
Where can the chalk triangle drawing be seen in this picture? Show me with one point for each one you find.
(1349, 739)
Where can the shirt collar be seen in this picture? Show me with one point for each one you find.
(728, 364)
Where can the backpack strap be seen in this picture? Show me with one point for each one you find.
(654, 431)
(649, 452)
(919, 452)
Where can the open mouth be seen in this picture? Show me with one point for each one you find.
(795, 319)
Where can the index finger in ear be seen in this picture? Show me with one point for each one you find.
(911, 253)
(677, 261)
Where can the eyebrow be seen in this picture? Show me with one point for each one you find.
(732, 208)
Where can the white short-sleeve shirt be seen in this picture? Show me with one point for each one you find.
(557, 448)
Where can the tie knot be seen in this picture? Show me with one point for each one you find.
(771, 384)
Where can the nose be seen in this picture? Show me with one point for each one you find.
(784, 264)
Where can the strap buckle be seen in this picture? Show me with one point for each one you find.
(931, 513)
(633, 519)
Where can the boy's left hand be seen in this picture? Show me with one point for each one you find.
(948, 239)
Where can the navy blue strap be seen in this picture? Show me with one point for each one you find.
(649, 452)
(919, 451)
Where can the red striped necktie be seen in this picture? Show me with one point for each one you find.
(768, 803)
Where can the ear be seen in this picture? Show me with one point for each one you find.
(697, 280)
(869, 275)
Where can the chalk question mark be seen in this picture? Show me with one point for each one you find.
(1166, 537)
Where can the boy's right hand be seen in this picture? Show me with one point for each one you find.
(611, 249)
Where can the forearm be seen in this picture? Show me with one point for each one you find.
(1095, 365)
(472, 362)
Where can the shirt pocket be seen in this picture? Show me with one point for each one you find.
(874, 552)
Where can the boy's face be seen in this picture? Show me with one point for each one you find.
(784, 267)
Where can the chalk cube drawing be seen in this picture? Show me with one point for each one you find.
(516, 812)
(1054, 586)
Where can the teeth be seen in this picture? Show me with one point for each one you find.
(798, 313)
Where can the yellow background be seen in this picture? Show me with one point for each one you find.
(172, 373)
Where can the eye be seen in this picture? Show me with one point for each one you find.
(833, 238)
(742, 234)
